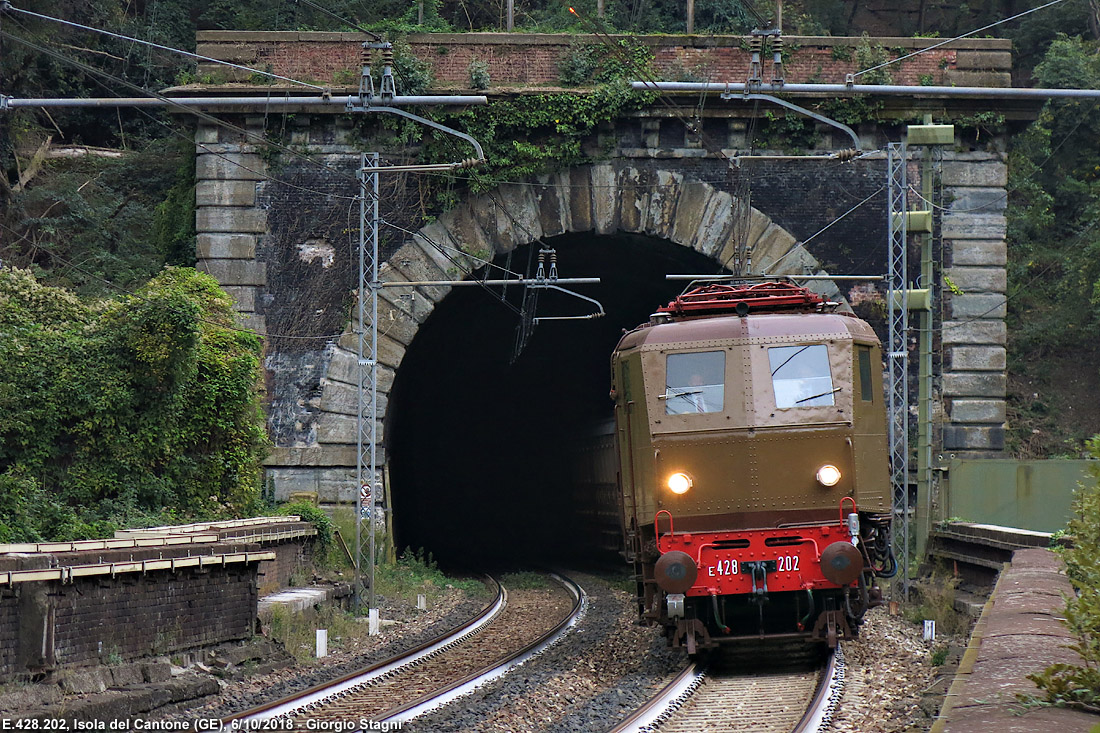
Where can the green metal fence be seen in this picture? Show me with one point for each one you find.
(1035, 495)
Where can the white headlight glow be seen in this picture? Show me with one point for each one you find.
(679, 483)
(828, 475)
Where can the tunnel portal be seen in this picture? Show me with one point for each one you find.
(479, 444)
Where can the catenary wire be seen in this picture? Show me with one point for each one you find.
(97, 72)
(150, 44)
(172, 103)
(334, 16)
(442, 250)
(456, 250)
(956, 38)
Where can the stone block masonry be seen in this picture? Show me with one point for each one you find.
(280, 234)
(973, 334)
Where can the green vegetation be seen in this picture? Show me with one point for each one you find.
(936, 602)
(417, 572)
(526, 580)
(124, 411)
(99, 225)
(1079, 685)
(537, 133)
(1054, 257)
(297, 631)
(326, 540)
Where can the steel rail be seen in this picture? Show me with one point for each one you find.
(324, 690)
(661, 705)
(468, 684)
(818, 715)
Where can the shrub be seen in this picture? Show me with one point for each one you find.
(1079, 685)
(479, 74)
(316, 516)
(125, 410)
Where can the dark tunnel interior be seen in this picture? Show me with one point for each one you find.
(478, 444)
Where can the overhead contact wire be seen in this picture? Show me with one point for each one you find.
(957, 38)
(172, 103)
(119, 36)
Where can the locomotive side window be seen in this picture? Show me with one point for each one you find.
(866, 393)
(694, 382)
(800, 376)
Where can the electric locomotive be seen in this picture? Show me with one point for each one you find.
(753, 479)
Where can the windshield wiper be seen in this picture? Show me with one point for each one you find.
(807, 399)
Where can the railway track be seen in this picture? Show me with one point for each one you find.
(707, 697)
(511, 629)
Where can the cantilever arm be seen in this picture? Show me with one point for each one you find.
(424, 121)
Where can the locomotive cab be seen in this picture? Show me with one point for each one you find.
(752, 464)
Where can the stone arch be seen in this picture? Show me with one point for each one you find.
(604, 198)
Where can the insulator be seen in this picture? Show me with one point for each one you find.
(755, 44)
(846, 155)
(387, 56)
(365, 56)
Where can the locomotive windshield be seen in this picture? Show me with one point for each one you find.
(800, 376)
(694, 382)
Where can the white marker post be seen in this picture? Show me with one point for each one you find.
(373, 623)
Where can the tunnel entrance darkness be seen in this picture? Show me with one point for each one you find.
(477, 445)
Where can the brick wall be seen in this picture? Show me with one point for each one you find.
(289, 557)
(136, 615)
(534, 59)
(9, 632)
(50, 624)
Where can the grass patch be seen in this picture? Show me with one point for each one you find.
(525, 580)
(296, 632)
(936, 601)
(415, 573)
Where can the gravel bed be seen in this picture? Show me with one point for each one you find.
(887, 670)
(412, 628)
(594, 677)
(601, 671)
(608, 666)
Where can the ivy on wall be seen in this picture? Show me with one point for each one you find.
(139, 406)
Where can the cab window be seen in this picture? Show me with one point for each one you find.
(800, 375)
(694, 382)
(866, 392)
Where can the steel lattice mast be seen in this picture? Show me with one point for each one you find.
(897, 299)
(366, 468)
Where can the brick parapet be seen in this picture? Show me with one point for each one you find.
(536, 59)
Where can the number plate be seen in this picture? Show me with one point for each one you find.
(722, 567)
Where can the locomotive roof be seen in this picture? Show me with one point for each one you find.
(752, 328)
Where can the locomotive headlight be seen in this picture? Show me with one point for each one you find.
(828, 475)
(679, 483)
